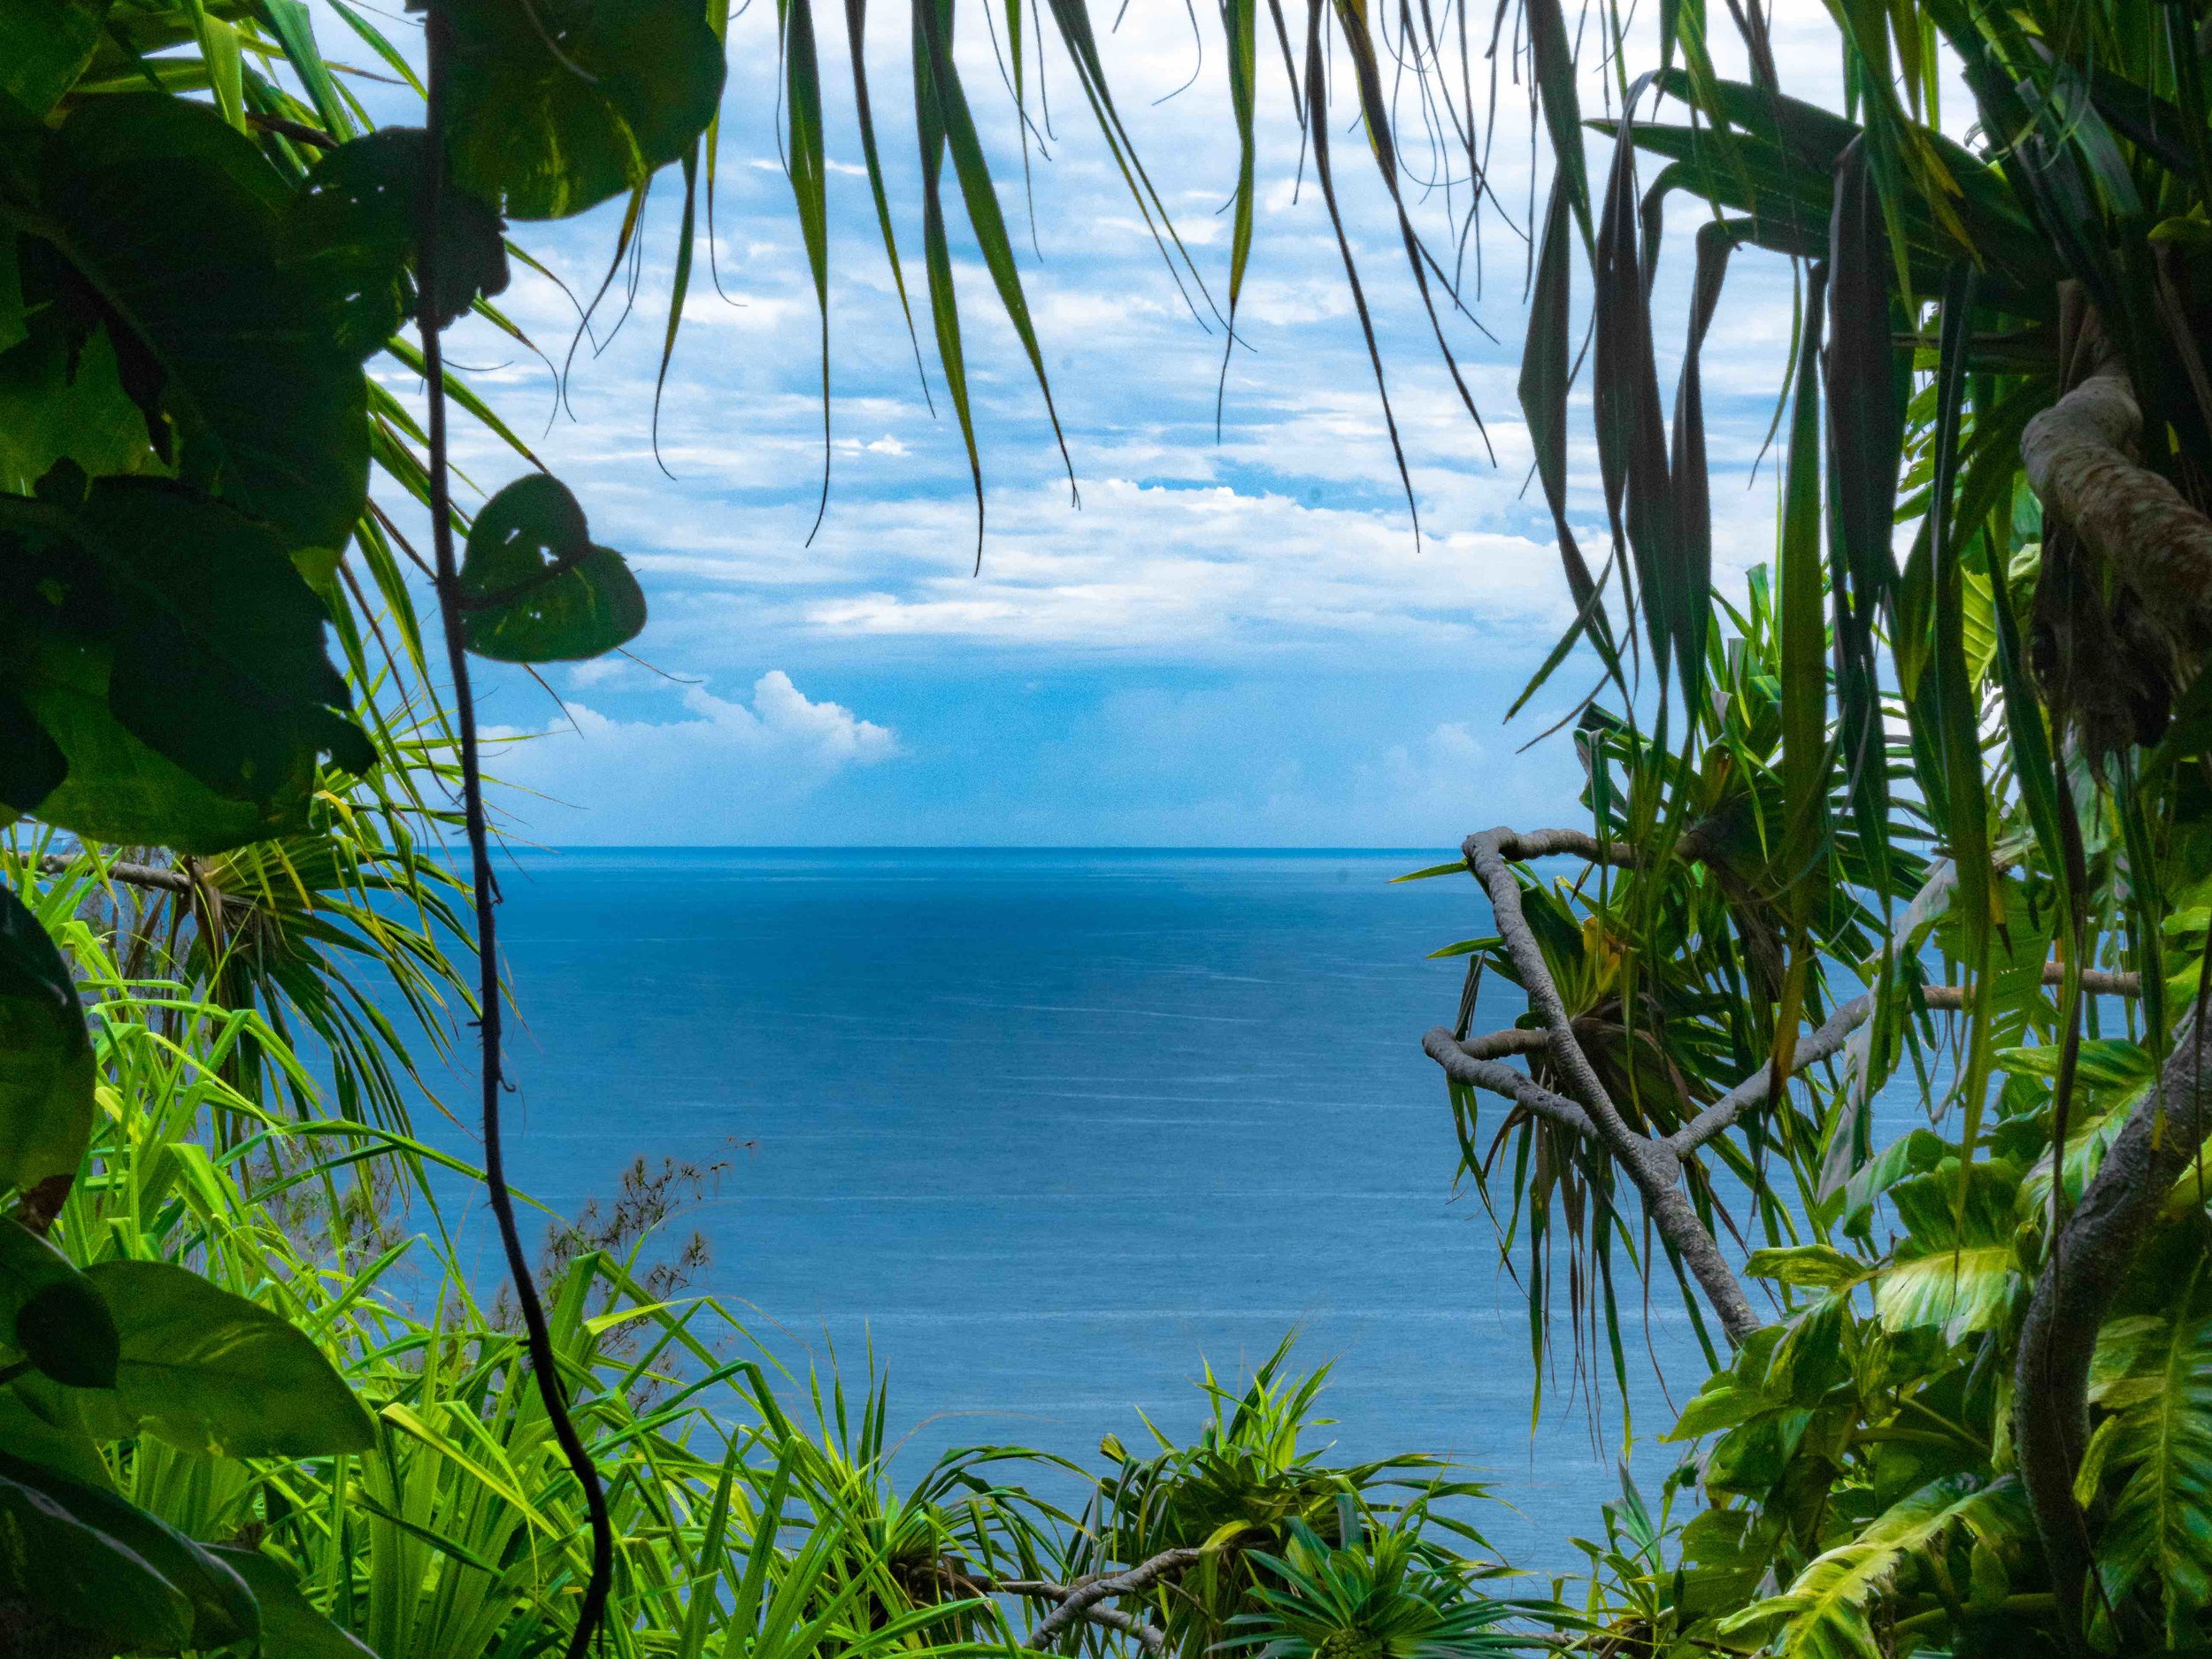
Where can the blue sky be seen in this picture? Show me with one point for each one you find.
(1229, 643)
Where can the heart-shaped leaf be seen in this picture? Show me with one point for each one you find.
(554, 105)
(46, 1105)
(212, 1372)
(53, 1312)
(535, 587)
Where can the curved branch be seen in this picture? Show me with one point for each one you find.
(1151, 1636)
(1085, 1593)
(2079, 454)
(1654, 1164)
(1836, 1031)
(1462, 1064)
(1653, 1167)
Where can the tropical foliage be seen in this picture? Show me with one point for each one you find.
(1871, 1014)
(1878, 980)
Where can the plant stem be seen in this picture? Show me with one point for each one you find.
(483, 888)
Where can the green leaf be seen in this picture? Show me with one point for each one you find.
(1825, 1612)
(291, 1626)
(52, 1312)
(193, 628)
(32, 765)
(62, 399)
(46, 1072)
(90, 1559)
(82, 1578)
(1956, 1266)
(555, 105)
(533, 587)
(353, 230)
(212, 1372)
(1812, 1266)
(158, 219)
(2153, 1456)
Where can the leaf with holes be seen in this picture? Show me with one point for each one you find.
(353, 231)
(533, 587)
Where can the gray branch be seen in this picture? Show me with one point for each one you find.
(1463, 1065)
(1083, 1596)
(1651, 1165)
(1654, 1164)
(161, 877)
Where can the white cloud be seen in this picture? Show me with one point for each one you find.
(632, 778)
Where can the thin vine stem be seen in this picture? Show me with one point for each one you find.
(483, 886)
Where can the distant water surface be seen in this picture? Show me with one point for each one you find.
(1045, 1128)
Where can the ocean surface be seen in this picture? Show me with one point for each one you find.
(1045, 1131)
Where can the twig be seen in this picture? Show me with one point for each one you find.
(544, 1367)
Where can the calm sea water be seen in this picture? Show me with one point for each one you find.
(1045, 1129)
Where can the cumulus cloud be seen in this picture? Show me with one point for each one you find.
(712, 773)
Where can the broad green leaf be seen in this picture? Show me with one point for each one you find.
(134, 602)
(46, 1073)
(291, 1626)
(2153, 1456)
(40, 1423)
(164, 223)
(1826, 1612)
(81, 1578)
(212, 1372)
(32, 765)
(557, 105)
(62, 399)
(533, 587)
(52, 1312)
(1956, 1267)
(1813, 1266)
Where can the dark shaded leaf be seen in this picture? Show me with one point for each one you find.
(44, 46)
(352, 232)
(160, 221)
(137, 1556)
(52, 1312)
(46, 1105)
(291, 1627)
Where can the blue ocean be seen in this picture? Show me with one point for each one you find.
(1045, 1131)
